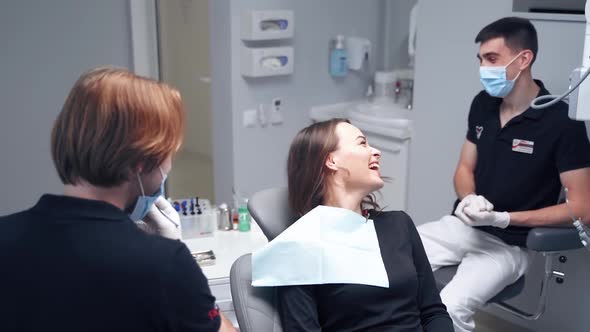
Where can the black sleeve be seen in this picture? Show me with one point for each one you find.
(298, 308)
(188, 301)
(471, 130)
(433, 313)
(573, 149)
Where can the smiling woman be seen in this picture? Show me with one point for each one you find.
(332, 163)
(342, 158)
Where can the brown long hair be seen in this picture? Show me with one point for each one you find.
(306, 171)
(113, 121)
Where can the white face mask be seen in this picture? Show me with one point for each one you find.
(143, 202)
(494, 81)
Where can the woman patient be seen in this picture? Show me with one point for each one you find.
(331, 163)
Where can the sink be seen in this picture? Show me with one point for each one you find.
(388, 115)
(327, 112)
(385, 119)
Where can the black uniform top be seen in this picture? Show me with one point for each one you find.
(70, 264)
(411, 303)
(518, 166)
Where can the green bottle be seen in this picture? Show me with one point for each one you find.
(243, 218)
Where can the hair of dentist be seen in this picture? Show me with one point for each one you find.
(111, 122)
(519, 34)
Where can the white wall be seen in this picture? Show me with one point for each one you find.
(259, 155)
(446, 81)
(45, 46)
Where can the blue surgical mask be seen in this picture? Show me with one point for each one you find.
(494, 81)
(144, 203)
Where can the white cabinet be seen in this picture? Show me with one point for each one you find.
(394, 166)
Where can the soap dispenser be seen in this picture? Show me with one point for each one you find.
(338, 58)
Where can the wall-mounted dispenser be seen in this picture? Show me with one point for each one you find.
(359, 51)
(338, 58)
(267, 24)
(267, 61)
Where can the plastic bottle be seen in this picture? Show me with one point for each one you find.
(243, 218)
(338, 58)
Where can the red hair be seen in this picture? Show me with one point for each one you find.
(112, 122)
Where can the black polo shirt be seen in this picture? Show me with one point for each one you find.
(518, 166)
(70, 264)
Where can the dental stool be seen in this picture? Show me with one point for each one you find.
(549, 242)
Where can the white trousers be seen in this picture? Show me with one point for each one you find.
(486, 266)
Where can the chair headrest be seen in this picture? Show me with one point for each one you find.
(270, 209)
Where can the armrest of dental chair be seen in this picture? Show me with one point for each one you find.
(547, 239)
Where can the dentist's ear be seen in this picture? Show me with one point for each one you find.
(137, 168)
(133, 171)
(527, 59)
(331, 162)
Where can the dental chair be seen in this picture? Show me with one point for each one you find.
(255, 307)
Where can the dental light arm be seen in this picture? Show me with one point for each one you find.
(579, 101)
(579, 109)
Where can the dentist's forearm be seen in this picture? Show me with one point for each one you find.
(464, 182)
(556, 215)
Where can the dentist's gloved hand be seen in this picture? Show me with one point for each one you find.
(473, 203)
(487, 218)
(162, 219)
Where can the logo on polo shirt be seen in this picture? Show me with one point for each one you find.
(478, 131)
(213, 313)
(520, 145)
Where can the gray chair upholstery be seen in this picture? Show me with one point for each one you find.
(270, 209)
(553, 239)
(255, 307)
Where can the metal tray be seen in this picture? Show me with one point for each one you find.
(204, 258)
